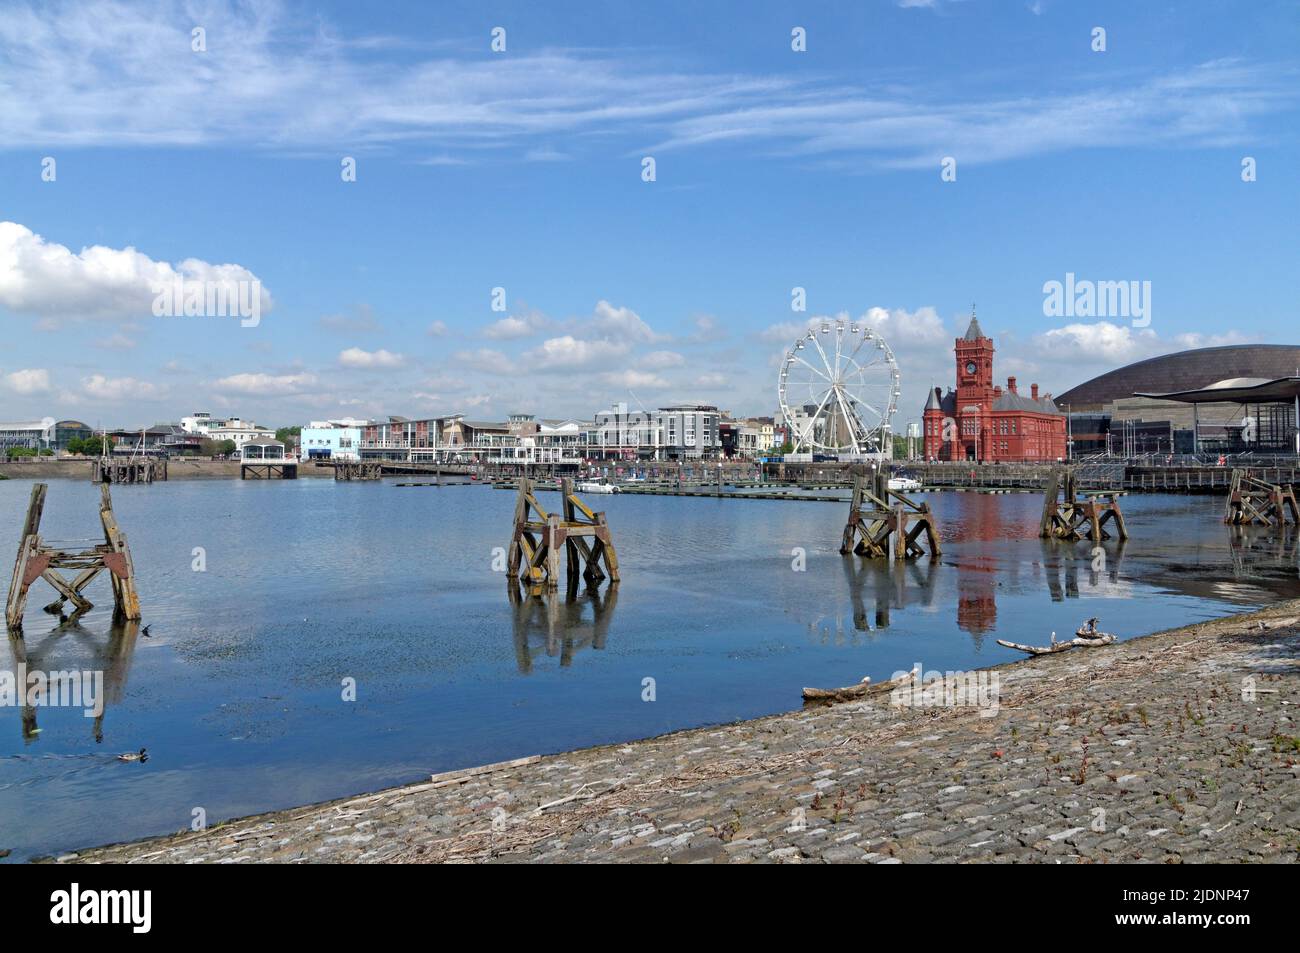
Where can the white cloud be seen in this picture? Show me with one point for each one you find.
(1101, 341)
(517, 326)
(47, 279)
(116, 388)
(634, 379)
(622, 323)
(707, 330)
(267, 385)
(902, 329)
(437, 329)
(486, 360)
(356, 357)
(29, 381)
(567, 353)
(661, 360)
(712, 380)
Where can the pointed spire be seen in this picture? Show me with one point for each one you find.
(974, 332)
(933, 403)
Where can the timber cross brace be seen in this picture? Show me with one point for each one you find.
(1253, 501)
(878, 523)
(1067, 511)
(540, 538)
(37, 560)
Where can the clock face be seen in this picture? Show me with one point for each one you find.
(970, 367)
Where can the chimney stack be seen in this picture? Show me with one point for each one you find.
(1033, 389)
(1011, 384)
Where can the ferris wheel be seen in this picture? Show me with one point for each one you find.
(838, 389)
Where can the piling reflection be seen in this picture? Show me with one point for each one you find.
(1099, 564)
(555, 622)
(888, 585)
(51, 654)
(1258, 552)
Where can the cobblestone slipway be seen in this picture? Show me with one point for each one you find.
(1176, 747)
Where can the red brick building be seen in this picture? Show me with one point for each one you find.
(982, 422)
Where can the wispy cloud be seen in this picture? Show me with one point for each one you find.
(111, 74)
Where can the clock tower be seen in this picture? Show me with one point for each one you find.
(974, 366)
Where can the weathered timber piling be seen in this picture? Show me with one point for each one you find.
(540, 538)
(879, 518)
(1071, 514)
(39, 560)
(108, 470)
(366, 470)
(1252, 501)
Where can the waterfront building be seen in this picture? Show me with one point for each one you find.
(1168, 404)
(67, 430)
(528, 440)
(332, 439)
(262, 451)
(404, 438)
(675, 432)
(230, 428)
(982, 422)
(163, 439)
(28, 434)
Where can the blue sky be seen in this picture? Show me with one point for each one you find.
(522, 170)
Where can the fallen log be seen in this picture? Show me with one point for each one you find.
(863, 689)
(1103, 638)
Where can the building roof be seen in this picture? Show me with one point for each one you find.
(973, 332)
(1242, 390)
(933, 402)
(1010, 401)
(1186, 371)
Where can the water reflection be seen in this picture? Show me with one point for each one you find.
(889, 585)
(549, 622)
(50, 654)
(1062, 564)
(1262, 551)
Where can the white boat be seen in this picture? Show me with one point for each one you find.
(594, 486)
(904, 484)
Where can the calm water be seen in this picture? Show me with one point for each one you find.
(237, 693)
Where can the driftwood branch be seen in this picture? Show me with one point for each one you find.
(1086, 636)
(1103, 638)
(863, 689)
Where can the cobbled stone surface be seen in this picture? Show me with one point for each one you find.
(1144, 751)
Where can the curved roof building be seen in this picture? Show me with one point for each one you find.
(1184, 371)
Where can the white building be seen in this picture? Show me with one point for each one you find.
(229, 428)
(262, 451)
(332, 439)
(670, 433)
(28, 434)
